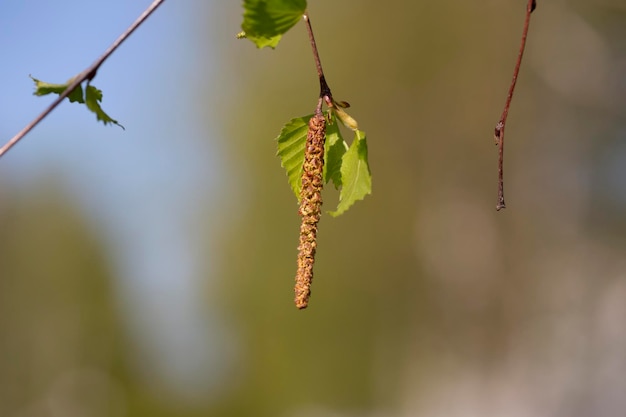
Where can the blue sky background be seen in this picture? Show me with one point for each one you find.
(142, 187)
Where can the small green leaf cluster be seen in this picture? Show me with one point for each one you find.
(346, 166)
(265, 21)
(90, 96)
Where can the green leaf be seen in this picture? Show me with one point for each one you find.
(43, 88)
(265, 21)
(347, 120)
(356, 179)
(291, 143)
(346, 166)
(91, 98)
(335, 148)
(261, 41)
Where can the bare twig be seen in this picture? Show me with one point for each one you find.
(87, 75)
(324, 88)
(499, 130)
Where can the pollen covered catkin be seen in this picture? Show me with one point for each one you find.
(310, 206)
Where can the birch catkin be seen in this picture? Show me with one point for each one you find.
(310, 207)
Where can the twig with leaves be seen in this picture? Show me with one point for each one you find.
(73, 90)
(311, 148)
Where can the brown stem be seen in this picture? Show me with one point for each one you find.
(324, 88)
(87, 75)
(500, 126)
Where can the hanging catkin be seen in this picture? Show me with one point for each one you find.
(310, 206)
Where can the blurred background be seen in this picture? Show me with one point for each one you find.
(149, 272)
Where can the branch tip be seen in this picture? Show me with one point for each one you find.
(87, 75)
(500, 126)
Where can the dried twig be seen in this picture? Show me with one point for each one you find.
(499, 131)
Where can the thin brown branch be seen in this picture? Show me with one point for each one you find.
(324, 88)
(87, 75)
(500, 126)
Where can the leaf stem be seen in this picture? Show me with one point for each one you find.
(324, 88)
(87, 75)
(499, 130)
